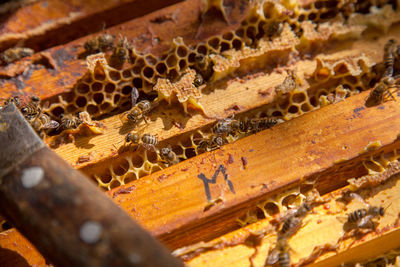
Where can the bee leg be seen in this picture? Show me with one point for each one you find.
(144, 118)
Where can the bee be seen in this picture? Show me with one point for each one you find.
(99, 44)
(138, 110)
(284, 258)
(32, 109)
(148, 141)
(387, 81)
(293, 220)
(258, 124)
(198, 80)
(14, 54)
(43, 123)
(377, 94)
(69, 121)
(204, 65)
(362, 218)
(121, 51)
(228, 126)
(273, 29)
(388, 57)
(279, 254)
(169, 156)
(290, 83)
(290, 226)
(13, 99)
(212, 142)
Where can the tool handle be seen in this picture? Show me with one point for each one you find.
(72, 222)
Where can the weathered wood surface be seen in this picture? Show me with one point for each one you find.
(66, 69)
(65, 215)
(43, 24)
(172, 204)
(234, 100)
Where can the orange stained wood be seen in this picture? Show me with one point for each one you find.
(17, 251)
(147, 34)
(38, 24)
(174, 206)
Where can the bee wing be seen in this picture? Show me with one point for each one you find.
(342, 219)
(51, 125)
(134, 95)
(122, 116)
(273, 257)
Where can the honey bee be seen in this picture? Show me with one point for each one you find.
(279, 254)
(69, 121)
(138, 110)
(258, 124)
(198, 80)
(293, 220)
(229, 126)
(273, 29)
(121, 51)
(32, 109)
(99, 44)
(387, 81)
(148, 141)
(43, 122)
(13, 99)
(212, 142)
(377, 94)
(14, 54)
(388, 57)
(169, 156)
(362, 218)
(204, 65)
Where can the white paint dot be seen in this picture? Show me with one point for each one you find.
(90, 232)
(32, 176)
(135, 258)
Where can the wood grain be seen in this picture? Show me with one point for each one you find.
(43, 24)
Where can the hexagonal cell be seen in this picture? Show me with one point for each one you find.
(109, 88)
(92, 109)
(126, 74)
(270, 209)
(81, 101)
(129, 177)
(97, 86)
(114, 184)
(202, 49)
(98, 98)
(299, 97)
(137, 82)
(56, 111)
(151, 60)
(82, 88)
(214, 42)
(171, 60)
(71, 108)
(182, 51)
(225, 46)
(161, 68)
(148, 72)
(114, 75)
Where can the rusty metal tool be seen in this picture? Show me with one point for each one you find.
(60, 211)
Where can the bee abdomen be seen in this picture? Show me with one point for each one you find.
(284, 259)
(357, 215)
(149, 139)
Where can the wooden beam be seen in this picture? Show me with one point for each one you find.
(43, 24)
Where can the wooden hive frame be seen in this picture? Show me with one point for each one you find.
(223, 206)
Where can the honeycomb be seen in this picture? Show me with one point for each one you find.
(377, 167)
(269, 34)
(333, 80)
